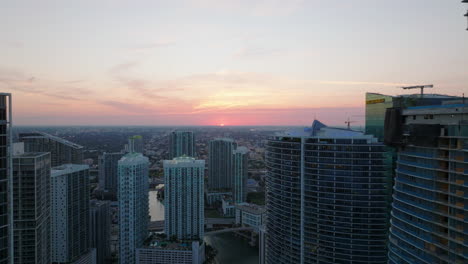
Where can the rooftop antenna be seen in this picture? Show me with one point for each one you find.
(419, 87)
(349, 123)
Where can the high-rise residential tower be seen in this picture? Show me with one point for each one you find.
(135, 144)
(70, 212)
(31, 203)
(108, 173)
(133, 204)
(220, 164)
(240, 173)
(181, 143)
(62, 151)
(100, 229)
(429, 218)
(6, 182)
(326, 197)
(184, 204)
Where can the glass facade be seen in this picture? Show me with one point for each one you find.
(5, 174)
(376, 105)
(429, 221)
(326, 199)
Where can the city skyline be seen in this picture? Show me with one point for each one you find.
(223, 62)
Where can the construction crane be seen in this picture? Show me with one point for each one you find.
(349, 123)
(419, 87)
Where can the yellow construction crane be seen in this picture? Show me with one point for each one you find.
(419, 87)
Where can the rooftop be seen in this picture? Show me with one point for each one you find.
(251, 208)
(241, 150)
(45, 135)
(184, 161)
(67, 168)
(132, 158)
(166, 244)
(30, 155)
(318, 129)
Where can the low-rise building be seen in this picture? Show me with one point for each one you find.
(168, 252)
(228, 207)
(213, 197)
(250, 215)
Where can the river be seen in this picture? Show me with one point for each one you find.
(231, 249)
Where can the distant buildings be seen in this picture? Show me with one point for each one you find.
(6, 183)
(70, 213)
(100, 229)
(169, 252)
(429, 210)
(31, 203)
(133, 204)
(181, 143)
(240, 168)
(326, 197)
(220, 164)
(108, 171)
(184, 204)
(62, 151)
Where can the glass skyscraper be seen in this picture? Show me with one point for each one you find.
(240, 174)
(32, 207)
(183, 198)
(133, 204)
(61, 150)
(429, 219)
(6, 197)
(220, 164)
(181, 143)
(326, 197)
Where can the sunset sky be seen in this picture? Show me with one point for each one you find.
(211, 62)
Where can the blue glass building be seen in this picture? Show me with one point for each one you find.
(326, 197)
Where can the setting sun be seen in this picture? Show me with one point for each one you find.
(221, 125)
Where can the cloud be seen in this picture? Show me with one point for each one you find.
(252, 53)
(366, 83)
(156, 44)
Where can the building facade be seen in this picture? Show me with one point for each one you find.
(169, 252)
(326, 197)
(108, 173)
(132, 196)
(250, 215)
(31, 208)
(61, 151)
(70, 212)
(220, 164)
(100, 229)
(240, 174)
(6, 182)
(183, 201)
(429, 218)
(181, 143)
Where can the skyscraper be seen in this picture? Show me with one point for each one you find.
(108, 173)
(135, 144)
(181, 143)
(31, 203)
(62, 151)
(100, 229)
(429, 211)
(326, 197)
(70, 212)
(240, 168)
(6, 183)
(184, 204)
(133, 204)
(220, 162)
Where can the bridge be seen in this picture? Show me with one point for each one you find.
(226, 230)
(158, 226)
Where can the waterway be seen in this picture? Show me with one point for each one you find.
(231, 249)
